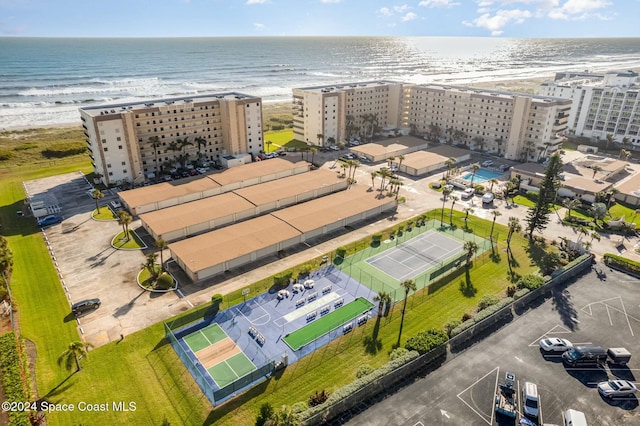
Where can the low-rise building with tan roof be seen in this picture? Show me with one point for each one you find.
(391, 147)
(208, 254)
(196, 217)
(422, 162)
(167, 194)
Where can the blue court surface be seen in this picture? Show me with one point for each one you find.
(259, 325)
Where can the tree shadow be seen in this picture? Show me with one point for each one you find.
(59, 388)
(372, 344)
(495, 255)
(561, 301)
(466, 287)
(124, 309)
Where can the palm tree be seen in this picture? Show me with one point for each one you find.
(454, 198)
(479, 141)
(313, 150)
(595, 169)
(635, 213)
(624, 153)
(400, 160)
(268, 144)
(475, 167)
(97, 195)
(514, 226)
(355, 164)
(174, 147)
(155, 144)
(408, 285)
(445, 194)
(124, 219)
(611, 194)
(467, 210)
(161, 245)
(609, 140)
(150, 265)
(384, 173)
(390, 160)
(449, 163)
(374, 174)
(200, 141)
(382, 298)
(492, 181)
(74, 352)
(571, 204)
(495, 214)
(470, 247)
(349, 125)
(183, 144)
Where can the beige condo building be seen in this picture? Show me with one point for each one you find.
(325, 114)
(132, 142)
(516, 126)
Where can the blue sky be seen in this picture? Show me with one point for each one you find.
(193, 18)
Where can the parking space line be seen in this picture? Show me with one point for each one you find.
(419, 424)
(482, 416)
(609, 315)
(610, 308)
(551, 331)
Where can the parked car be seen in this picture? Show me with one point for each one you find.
(503, 167)
(448, 187)
(555, 344)
(467, 193)
(49, 220)
(85, 305)
(584, 356)
(616, 388)
(488, 198)
(530, 400)
(487, 163)
(394, 168)
(115, 204)
(574, 418)
(363, 158)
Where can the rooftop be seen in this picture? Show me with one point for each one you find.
(189, 101)
(347, 86)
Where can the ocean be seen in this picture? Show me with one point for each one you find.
(43, 81)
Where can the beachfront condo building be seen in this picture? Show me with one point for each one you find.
(326, 115)
(133, 142)
(603, 104)
(516, 126)
(511, 125)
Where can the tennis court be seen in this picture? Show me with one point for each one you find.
(325, 324)
(416, 255)
(231, 369)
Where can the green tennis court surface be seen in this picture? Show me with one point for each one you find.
(231, 369)
(325, 324)
(207, 336)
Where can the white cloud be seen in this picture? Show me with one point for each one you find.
(437, 3)
(330, 1)
(409, 17)
(401, 9)
(501, 19)
(385, 11)
(579, 9)
(258, 27)
(257, 1)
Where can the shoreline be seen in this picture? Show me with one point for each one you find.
(277, 108)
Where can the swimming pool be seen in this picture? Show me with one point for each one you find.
(482, 175)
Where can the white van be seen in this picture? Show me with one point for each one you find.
(530, 400)
(574, 418)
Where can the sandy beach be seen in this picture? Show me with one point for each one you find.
(274, 109)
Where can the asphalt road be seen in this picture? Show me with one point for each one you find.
(586, 311)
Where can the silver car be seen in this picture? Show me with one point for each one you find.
(555, 344)
(614, 388)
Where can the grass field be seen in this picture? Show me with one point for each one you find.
(323, 325)
(144, 369)
(278, 139)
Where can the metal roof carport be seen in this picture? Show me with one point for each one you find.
(387, 148)
(167, 194)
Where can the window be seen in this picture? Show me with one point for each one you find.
(124, 163)
(108, 166)
(106, 149)
(119, 146)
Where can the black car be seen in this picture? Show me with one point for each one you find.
(85, 305)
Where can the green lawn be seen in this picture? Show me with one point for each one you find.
(277, 138)
(144, 370)
(105, 214)
(618, 210)
(132, 243)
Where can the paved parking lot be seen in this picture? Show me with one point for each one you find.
(90, 267)
(587, 311)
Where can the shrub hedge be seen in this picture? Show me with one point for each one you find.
(12, 378)
(483, 314)
(622, 263)
(360, 383)
(426, 341)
